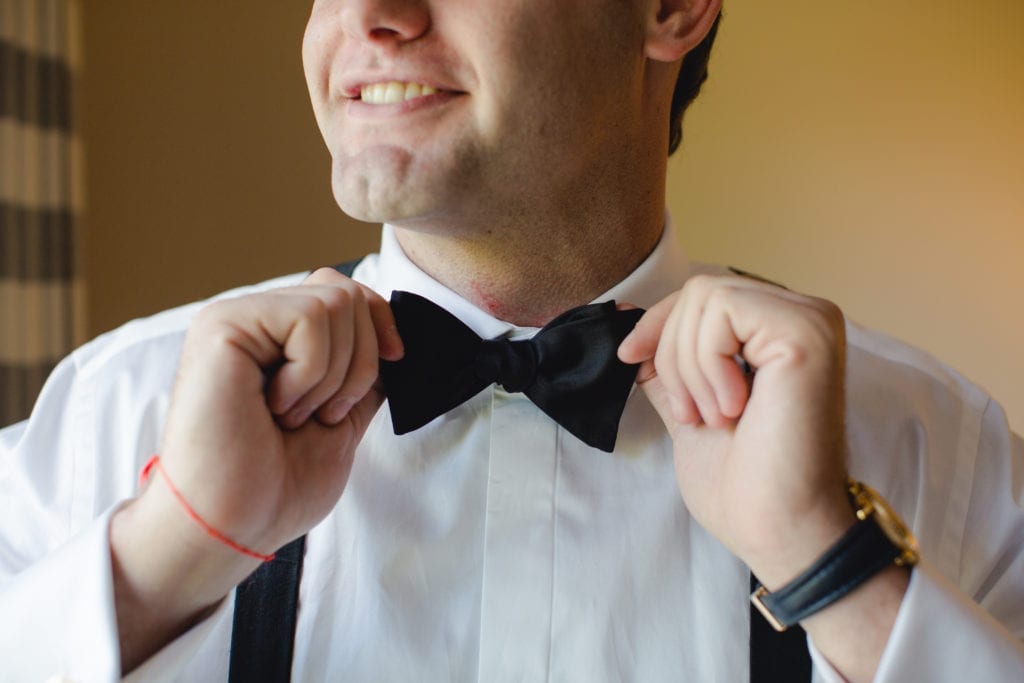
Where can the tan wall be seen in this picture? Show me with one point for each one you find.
(204, 166)
(872, 153)
(868, 152)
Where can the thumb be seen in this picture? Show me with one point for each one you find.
(641, 343)
(364, 411)
(647, 379)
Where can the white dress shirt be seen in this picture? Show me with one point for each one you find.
(491, 545)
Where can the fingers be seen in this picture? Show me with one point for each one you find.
(690, 393)
(301, 324)
(641, 344)
(388, 342)
(717, 348)
(356, 377)
(319, 344)
(693, 342)
(320, 352)
(360, 329)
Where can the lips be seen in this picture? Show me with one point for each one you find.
(393, 92)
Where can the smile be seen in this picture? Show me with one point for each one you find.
(393, 92)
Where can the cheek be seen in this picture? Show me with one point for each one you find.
(318, 45)
(548, 73)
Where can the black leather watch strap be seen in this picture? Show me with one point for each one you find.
(860, 554)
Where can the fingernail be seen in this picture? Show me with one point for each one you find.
(396, 341)
(625, 347)
(339, 408)
(297, 416)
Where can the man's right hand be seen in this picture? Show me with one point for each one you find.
(273, 394)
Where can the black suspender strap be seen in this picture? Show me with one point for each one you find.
(348, 267)
(266, 607)
(776, 657)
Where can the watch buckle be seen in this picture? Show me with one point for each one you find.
(755, 598)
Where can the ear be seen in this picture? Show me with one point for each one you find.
(674, 27)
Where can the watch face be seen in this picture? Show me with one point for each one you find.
(892, 526)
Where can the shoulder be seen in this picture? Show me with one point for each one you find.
(163, 330)
(920, 380)
(101, 412)
(116, 387)
(914, 424)
(136, 344)
(930, 440)
(890, 377)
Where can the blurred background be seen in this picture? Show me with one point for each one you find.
(871, 153)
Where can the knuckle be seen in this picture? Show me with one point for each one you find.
(371, 297)
(338, 299)
(718, 297)
(325, 274)
(798, 354)
(829, 320)
(324, 271)
(700, 283)
(313, 309)
(213, 322)
(211, 312)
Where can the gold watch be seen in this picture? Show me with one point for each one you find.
(878, 539)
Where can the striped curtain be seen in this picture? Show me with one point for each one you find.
(41, 290)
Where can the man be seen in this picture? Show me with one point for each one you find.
(517, 152)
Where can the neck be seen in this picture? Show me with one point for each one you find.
(527, 272)
(526, 250)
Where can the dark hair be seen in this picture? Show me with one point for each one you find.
(692, 75)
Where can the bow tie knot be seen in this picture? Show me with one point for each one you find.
(569, 369)
(512, 364)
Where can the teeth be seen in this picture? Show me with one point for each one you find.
(390, 93)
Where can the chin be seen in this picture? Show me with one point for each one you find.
(376, 204)
(388, 198)
(374, 187)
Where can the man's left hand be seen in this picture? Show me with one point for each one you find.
(759, 454)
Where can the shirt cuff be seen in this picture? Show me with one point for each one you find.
(940, 635)
(168, 663)
(60, 620)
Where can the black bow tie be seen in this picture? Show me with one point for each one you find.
(569, 369)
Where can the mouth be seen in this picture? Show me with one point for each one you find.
(393, 92)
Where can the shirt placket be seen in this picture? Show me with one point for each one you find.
(519, 535)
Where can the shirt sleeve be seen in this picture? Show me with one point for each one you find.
(63, 473)
(941, 634)
(67, 627)
(59, 615)
(968, 627)
(56, 591)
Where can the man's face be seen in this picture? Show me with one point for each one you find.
(453, 110)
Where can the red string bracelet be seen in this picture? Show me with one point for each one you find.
(154, 461)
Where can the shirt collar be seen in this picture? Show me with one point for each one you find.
(661, 273)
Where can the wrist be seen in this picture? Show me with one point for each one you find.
(869, 611)
(166, 563)
(878, 541)
(796, 544)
